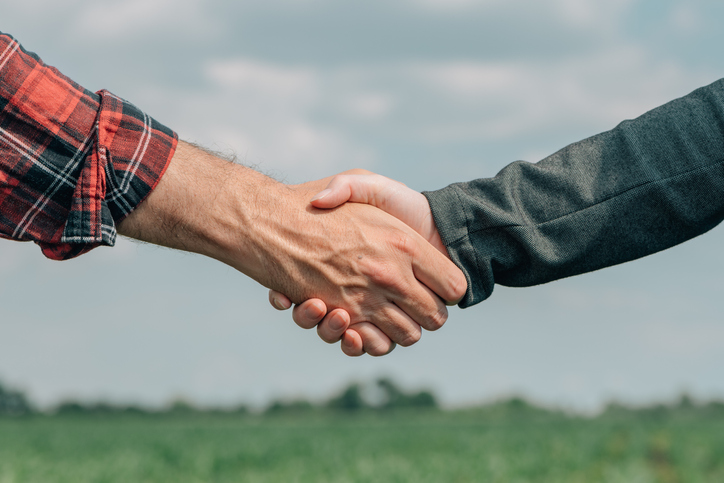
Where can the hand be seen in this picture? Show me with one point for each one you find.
(354, 257)
(391, 196)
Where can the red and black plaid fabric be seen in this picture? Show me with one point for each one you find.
(72, 163)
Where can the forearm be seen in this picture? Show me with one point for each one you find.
(349, 257)
(645, 186)
(207, 205)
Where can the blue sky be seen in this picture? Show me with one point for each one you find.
(425, 91)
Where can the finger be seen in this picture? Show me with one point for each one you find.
(374, 341)
(309, 313)
(422, 306)
(441, 275)
(279, 301)
(393, 197)
(337, 192)
(414, 300)
(333, 326)
(356, 188)
(352, 343)
(394, 322)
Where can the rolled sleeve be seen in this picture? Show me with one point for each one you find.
(73, 163)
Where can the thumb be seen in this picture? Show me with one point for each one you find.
(358, 188)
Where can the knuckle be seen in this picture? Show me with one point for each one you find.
(403, 242)
(384, 274)
(326, 336)
(377, 349)
(302, 321)
(458, 286)
(410, 338)
(437, 319)
(408, 245)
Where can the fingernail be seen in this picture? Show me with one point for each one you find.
(337, 322)
(321, 194)
(313, 312)
(279, 305)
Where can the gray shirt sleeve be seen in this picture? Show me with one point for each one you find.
(647, 185)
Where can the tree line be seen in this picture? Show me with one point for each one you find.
(381, 396)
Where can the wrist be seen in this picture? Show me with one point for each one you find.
(203, 204)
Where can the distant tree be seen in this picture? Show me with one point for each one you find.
(686, 402)
(297, 406)
(13, 403)
(71, 408)
(350, 399)
(240, 409)
(423, 399)
(517, 404)
(181, 406)
(76, 408)
(395, 398)
(133, 410)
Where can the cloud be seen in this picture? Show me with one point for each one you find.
(243, 74)
(685, 19)
(455, 5)
(591, 13)
(264, 111)
(514, 99)
(108, 19)
(310, 120)
(369, 105)
(694, 341)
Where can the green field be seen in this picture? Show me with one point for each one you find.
(432, 446)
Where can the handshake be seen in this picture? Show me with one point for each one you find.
(361, 255)
(410, 271)
(358, 253)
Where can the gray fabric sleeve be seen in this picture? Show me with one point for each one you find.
(647, 185)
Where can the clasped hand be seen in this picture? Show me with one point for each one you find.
(348, 265)
(361, 335)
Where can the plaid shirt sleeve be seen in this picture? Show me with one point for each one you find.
(72, 163)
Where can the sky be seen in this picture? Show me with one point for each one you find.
(428, 92)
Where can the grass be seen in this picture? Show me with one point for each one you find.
(407, 446)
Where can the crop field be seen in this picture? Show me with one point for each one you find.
(406, 446)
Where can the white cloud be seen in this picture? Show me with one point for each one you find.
(305, 120)
(265, 79)
(593, 16)
(685, 19)
(111, 19)
(591, 13)
(474, 79)
(370, 105)
(698, 340)
(455, 5)
(264, 112)
(493, 99)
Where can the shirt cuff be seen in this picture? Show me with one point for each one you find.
(130, 151)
